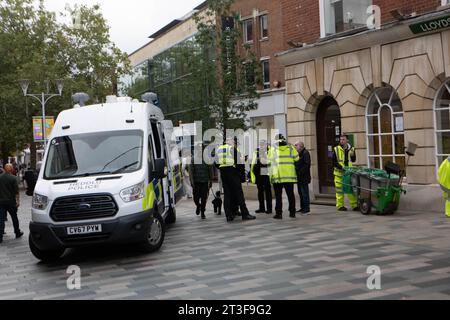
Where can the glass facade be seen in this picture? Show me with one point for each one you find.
(138, 82)
(179, 77)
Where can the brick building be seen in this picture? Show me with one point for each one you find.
(386, 87)
(261, 22)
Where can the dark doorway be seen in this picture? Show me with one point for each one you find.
(328, 133)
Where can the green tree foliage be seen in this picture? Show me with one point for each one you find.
(35, 45)
(236, 75)
(204, 78)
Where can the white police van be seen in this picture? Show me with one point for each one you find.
(111, 174)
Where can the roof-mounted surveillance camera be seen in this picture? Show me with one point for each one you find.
(80, 98)
(151, 97)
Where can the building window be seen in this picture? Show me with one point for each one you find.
(442, 122)
(264, 26)
(248, 30)
(267, 122)
(385, 128)
(266, 73)
(249, 74)
(445, 2)
(342, 15)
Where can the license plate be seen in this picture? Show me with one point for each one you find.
(84, 229)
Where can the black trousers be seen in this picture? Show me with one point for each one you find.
(264, 193)
(233, 193)
(15, 220)
(201, 195)
(289, 187)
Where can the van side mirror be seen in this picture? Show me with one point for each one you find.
(159, 171)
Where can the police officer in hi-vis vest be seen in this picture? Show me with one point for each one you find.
(344, 156)
(228, 158)
(283, 175)
(444, 182)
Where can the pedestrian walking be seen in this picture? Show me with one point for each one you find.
(283, 158)
(303, 177)
(344, 155)
(201, 175)
(30, 178)
(444, 182)
(9, 201)
(228, 159)
(259, 173)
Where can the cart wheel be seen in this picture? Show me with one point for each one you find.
(365, 206)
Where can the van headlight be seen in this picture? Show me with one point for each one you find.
(40, 202)
(133, 193)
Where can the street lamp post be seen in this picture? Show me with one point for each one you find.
(43, 98)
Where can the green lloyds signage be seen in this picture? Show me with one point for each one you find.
(432, 25)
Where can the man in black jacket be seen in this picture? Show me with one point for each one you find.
(9, 200)
(303, 177)
(201, 176)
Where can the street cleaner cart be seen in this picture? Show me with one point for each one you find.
(377, 190)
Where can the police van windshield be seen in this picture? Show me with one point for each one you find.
(93, 154)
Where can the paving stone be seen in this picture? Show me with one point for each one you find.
(324, 256)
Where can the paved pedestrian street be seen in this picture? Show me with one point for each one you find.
(323, 256)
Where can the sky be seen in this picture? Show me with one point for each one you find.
(132, 21)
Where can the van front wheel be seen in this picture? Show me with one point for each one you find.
(44, 255)
(155, 235)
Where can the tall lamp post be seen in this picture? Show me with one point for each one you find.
(43, 98)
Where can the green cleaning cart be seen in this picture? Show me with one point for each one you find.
(376, 190)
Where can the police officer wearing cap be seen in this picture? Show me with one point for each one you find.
(228, 158)
(283, 158)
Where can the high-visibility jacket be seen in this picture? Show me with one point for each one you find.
(225, 156)
(444, 175)
(340, 155)
(282, 164)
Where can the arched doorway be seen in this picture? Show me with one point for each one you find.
(328, 133)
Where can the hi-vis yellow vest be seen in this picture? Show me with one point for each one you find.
(340, 154)
(225, 156)
(282, 164)
(444, 175)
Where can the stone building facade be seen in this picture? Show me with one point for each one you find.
(385, 88)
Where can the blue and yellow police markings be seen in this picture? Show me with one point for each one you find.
(153, 193)
(176, 178)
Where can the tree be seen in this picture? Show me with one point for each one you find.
(35, 46)
(234, 91)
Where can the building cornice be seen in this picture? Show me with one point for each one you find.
(339, 44)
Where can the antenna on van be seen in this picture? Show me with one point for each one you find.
(131, 111)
